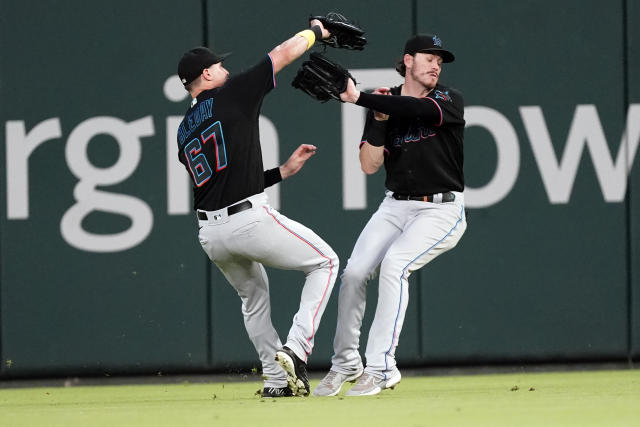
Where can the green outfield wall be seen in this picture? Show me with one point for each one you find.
(100, 268)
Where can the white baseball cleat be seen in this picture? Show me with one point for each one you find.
(368, 385)
(333, 381)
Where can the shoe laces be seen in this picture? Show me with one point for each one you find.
(366, 379)
(331, 376)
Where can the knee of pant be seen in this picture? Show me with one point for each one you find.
(331, 261)
(254, 301)
(255, 305)
(353, 275)
(393, 267)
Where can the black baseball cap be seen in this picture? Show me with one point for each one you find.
(428, 43)
(196, 60)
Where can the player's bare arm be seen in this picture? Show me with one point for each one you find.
(371, 158)
(293, 48)
(297, 160)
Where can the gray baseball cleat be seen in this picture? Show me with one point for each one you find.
(296, 371)
(332, 382)
(368, 385)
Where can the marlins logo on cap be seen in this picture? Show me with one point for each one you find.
(428, 43)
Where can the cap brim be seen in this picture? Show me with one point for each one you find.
(224, 56)
(444, 54)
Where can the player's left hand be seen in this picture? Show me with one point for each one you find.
(297, 160)
(344, 33)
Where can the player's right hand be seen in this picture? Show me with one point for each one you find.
(325, 32)
(381, 91)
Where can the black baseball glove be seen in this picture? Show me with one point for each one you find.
(321, 78)
(344, 33)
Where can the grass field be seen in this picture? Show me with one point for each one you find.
(590, 398)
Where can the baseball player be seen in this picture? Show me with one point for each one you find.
(416, 130)
(219, 145)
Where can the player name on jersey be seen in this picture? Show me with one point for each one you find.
(194, 119)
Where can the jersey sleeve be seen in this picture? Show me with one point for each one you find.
(450, 105)
(253, 84)
(441, 107)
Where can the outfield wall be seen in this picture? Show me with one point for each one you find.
(100, 267)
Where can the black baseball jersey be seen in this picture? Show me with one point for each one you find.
(219, 142)
(423, 139)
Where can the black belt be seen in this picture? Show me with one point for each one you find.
(234, 209)
(446, 197)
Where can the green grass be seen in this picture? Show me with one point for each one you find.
(591, 398)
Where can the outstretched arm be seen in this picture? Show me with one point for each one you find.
(404, 106)
(293, 48)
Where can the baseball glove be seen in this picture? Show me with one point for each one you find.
(321, 78)
(344, 33)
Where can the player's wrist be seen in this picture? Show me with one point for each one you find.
(378, 124)
(317, 31)
(311, 35)
(355, 95)
(376, 132)
(284, 172)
